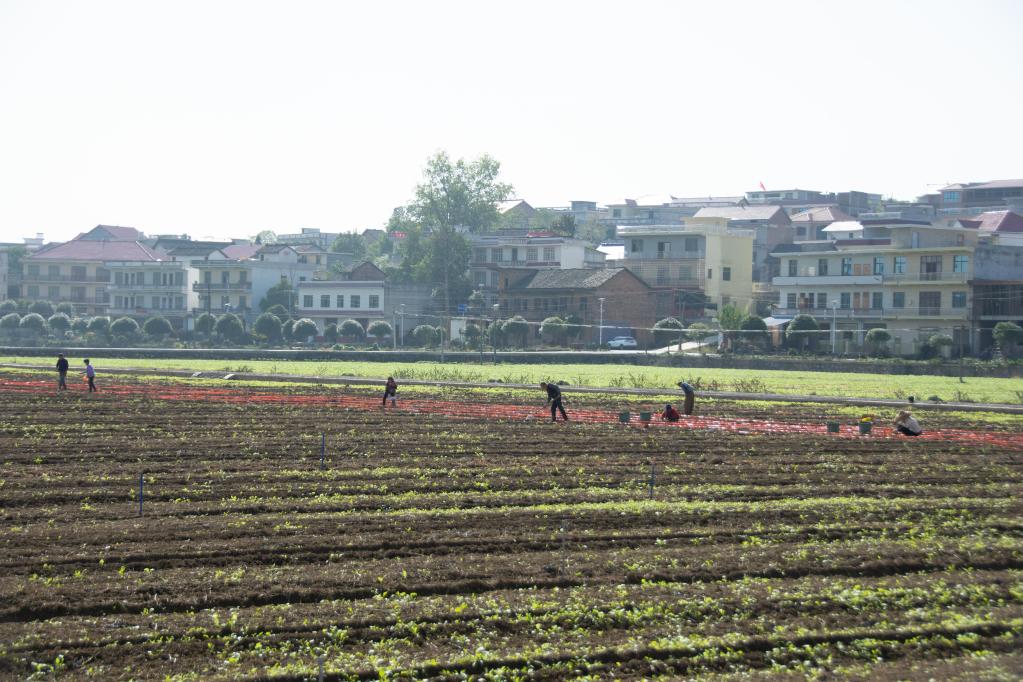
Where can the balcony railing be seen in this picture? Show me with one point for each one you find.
(203, 287)
(144, 310)
(953, 277)
(43, 278)
(166, 288)
(886, 313)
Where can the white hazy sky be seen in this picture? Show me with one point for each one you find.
(221, 118)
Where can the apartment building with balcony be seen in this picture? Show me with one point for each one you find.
(359, 294)
(696, 261)
(143, 289)
(493, 253)
(770, 225)
(911, 278)
(78, 271)
(236, 278)
(972, 198)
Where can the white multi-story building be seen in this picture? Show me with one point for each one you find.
(360, 295)
(528, 250)
(145, 289)
(912, 278)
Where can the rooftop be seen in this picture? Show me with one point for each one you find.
(997, 221)
(993, 184)
(820, 214)
(580, 278)
(764, 212)
(97, 250)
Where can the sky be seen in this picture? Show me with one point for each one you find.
(226, 118)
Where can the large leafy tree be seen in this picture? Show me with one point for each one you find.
(667, 331)
(516, 329)
(282, 294)
(230, 327)
(268, 326)
(352, 243)
(158, 327)
(1008, 335)
(802, 331)
(124, 326)
(59, 323)
(303, 329)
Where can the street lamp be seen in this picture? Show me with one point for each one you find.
(401, 312)
(600, 333)
(834, 325)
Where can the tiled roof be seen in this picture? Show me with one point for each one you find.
(113, 232)
(192, 250)
(98, 250)
(1000, 221)
(740, 212)
(820, 214)
(241, 251)
(994, 184)
(580, 278)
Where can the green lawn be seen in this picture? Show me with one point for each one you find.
(616, 376)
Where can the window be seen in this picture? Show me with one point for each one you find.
(493, 279)
(324, 300)
(479, 277)
(225, 301)
(930, 267)
(307, 301)
(845, 300)
(822, 300)
(584, 304)
(531, 254)
(958, 299)
(879, 266)
(877, 300)
(662, 275)
(616, 213)
(899, 265)
(53, 292)
(243, 276)
(374, 301)
(102, 275)
(790, 301)
(846, 266)
(207, 276)
(78, 273)
(356, 300)
(497, 255)
(636, 246)
(710, 273)
(726, 274)
(548, 254)
(663, 249)
(793, 267)
(33, 292)
(119, 278)
(960, 263)
(225, 277)
(243, 302)
(33, 270)
(479, 255)
(801, 231)
(692, 244)
(930, 302)
(340, 300)
(898, 299)
(950, 197)
(822, 267)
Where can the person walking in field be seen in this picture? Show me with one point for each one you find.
(907, 425)
(62, 368)
(690, 401)
(90, 374)
(554, 400)
(391, 392)
(670, 414)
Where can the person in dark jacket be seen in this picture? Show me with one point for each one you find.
(391, 392)
(554, 399)
(62, 368)
(670, 414)
(690, 401)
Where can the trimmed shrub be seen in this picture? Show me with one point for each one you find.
(124, 326)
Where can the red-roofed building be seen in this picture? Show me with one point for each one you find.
(77, 271)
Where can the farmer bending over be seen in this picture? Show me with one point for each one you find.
(690, 401)
(554, 399)
(906, 425)
(670, 414)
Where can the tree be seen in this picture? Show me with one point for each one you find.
(303, 329)
(59, 323)
(425, 335)
(282, 294)
(124, 326)
(553, 329)
(379, 329)
(286, 328)
(8, 306)
(330, 333)
(42, 308)
(65, 308)
(730, 319)
(802, 331)
(937, 343)
(351, 329)
(667, 331)
(754, 331)
(592, 232)
(1008, 336)
(516, 329)
(204, 323)
(230, 327)
(268, 326)
(33, 322)
(79, 325)
(876, 340)
(100, 326)
(564, 224)
(460, 194)
(10, 321)
(265, 237)
(698, 331)
(158, 327)
(352, 243)
(280, 311)
(472, 333)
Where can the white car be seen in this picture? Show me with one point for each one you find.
(622, 342)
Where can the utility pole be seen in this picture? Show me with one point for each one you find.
(600, 332)
(834, 326)
(401, 311)
(493, 332)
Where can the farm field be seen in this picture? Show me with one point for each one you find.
(463, 536)
(850, 384)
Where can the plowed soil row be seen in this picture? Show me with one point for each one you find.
(440, 541)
